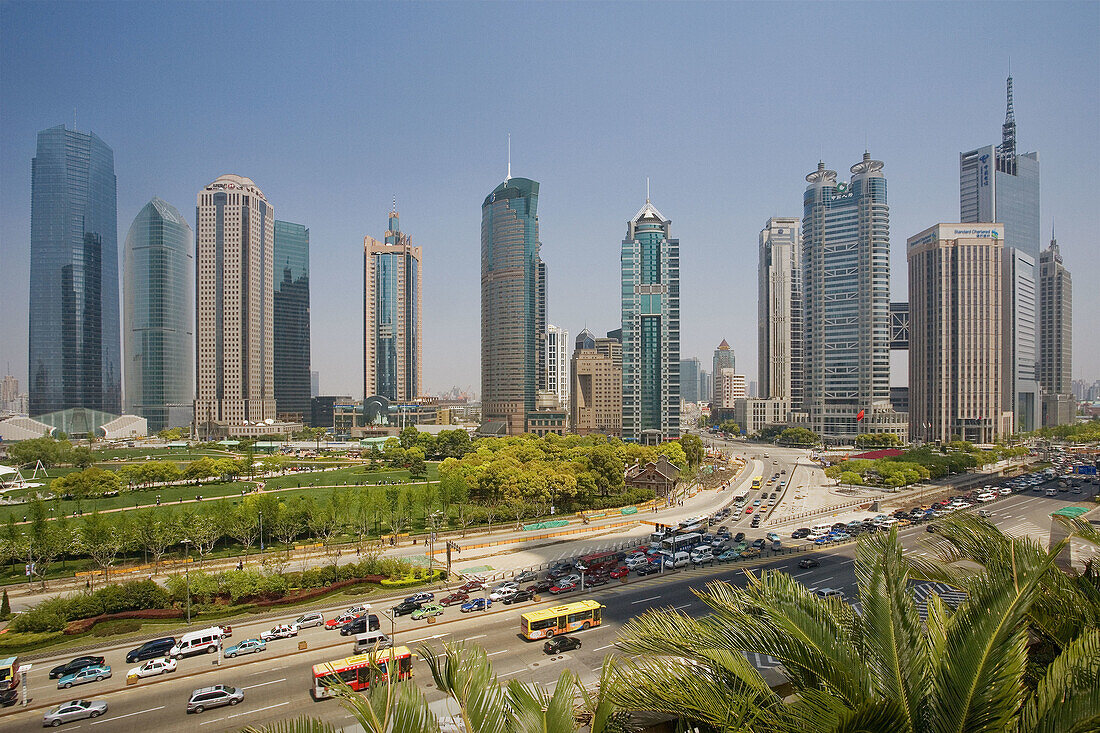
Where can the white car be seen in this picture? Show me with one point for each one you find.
(985, 497)
(282, 631)
(503, 592)
(153, 667)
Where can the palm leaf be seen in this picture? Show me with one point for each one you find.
(295, 725)
(1068, 697)
(464, 673)
(533, 710)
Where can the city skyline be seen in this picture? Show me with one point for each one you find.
(703, 167)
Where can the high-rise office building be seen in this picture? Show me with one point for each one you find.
(391, 315)
(557, 364)
(314, 383)
(955, 333)
(74, 344)
(1055, 337)
(723, 359)
(596, 396)
(689, 379)
(846, 303)
(513, 306)
(706, 389)
(733, 388)
(650, 262)
(292, 351)
(997, 184)
(158, 317)
(235, 242)
(779, 310)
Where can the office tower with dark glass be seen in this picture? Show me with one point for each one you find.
(291, 328)
(513, 306)
(650, 262)
(723, 359)
(689, 379)
(1055, 337)
(846, 303)
(997, 184)
(234, 255)
(391, 314)
(955, 334)
(74, 343)
(779, 311)
(158, 317)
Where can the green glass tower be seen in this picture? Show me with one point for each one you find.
(651, 329)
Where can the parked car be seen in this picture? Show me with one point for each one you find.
(755, 521)
(453, 598)
(526, 576)
(282, 631)
(422, 597)
(758, 543)
(519, 596)
(206, 698)
(623, 571)
(750, 552)
(561, 570)
(591, 581)
(541, 586)
(406, 607)
(306, 620)
(67, 712)
(648, 569)
(155, 667)
(248, 646)
(559, 644)
(477, 604)
(571, 578)
(501, 593)
(150, 650)
(359, 625)
(739, 537)
(728, 556)
(563, 587)
(95, 673)
(75, 666)
(471, 586)
(431, 609)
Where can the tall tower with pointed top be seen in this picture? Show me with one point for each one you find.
(391, 314)
(1055, 336)
(650, 261)
(999, 185)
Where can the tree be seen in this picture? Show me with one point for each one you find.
(693, 450)
(5, 607)
(46, 540)
(414, 458)
(880, 669)
(407, 437)
(798, 436)
(877, 440)
(170, 434)
(243, 525)
(731, 427)
(203, 529)
(81, 457)
(101, 539)
(51, 452)
(157, 530)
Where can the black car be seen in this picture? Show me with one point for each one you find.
(9, 696)
(808, 562)
(559, 644)
(739, 536)
(75, 666)
(150, 650)
(360, 625)
(840, 527)
(406, 607)
(561, 570)
(800, 533)
(648, 568)
(519, 596)
(541, 586)
(755, 522)
(590, 581)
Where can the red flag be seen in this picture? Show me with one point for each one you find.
(859, 416)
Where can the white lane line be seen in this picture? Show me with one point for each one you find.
(799, 575)
(493, 654)
(258, 710)
(603, 647)
(506, 674)
(680, 608)
(471, 638)
(643, 600)
(127, 715)
(208, 722)
(266, 671)
(426, 638)
(261, 684)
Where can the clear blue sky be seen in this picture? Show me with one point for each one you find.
(334, 108)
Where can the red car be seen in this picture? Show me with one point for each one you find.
(563, 588)
(335, 623)
(748, 510)
(457, 597)
(471, 586)
(620, 572)
(227, 630)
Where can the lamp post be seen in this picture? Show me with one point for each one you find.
(393, 626)
(187, 576)
(261, 535)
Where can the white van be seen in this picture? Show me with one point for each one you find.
(821, 529)
(197, 642)
(830, 593)
(369, 641)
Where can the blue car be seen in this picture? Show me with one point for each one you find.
(248, 646)
(95, 673)
(423, 597)
(478, 604)
(824, 540)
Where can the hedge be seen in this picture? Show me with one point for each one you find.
(414, 580)
(86, 624)
(306, 595)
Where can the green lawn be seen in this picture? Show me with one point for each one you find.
(352, 475)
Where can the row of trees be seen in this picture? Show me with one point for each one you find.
(51, 452)
(918, 464)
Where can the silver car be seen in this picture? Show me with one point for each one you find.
(309, 619)
(67, 712)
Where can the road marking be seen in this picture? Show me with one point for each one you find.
(471, 638)
(426, 638)
(257, 710)
(799, 575)
(643, 600)
(506, 674)
(261, 684)
(493, 654)
(127, 715)
(266, 671)
(679, 608)
(603, 647)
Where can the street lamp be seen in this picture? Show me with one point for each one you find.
(187, 575)
(261, 534)
(393, 626)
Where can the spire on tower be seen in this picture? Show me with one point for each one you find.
(647, 189)
(1007, 148)
(509, 157)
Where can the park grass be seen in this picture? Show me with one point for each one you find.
(355, 475)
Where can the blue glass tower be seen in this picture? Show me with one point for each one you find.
(291, 326)
(513, 305)
(74, 340)
(651, 329)
(159, 279)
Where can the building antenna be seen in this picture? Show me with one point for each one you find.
(74, 119)
(647, 189)
(509, 157)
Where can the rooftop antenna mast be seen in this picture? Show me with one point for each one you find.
(509, 157)
(647, 189)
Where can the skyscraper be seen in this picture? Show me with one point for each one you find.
(997, 184)
(650, 262)
(689, 379)
(955, 333)
(557, 364)
(723, 359)
(291, 328)
(1055, 336)
(596, 396)
(391, 314)
(513, 305)
(74, 343)
(159, 312)
(779, 310)
(235, 265)
(846, 302)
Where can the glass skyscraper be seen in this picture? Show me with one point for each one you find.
(291, 327)
(651, 329)
(74, 343)
(779, 311)
(159, 312)
(689, 379)
(513, 305)
(846, 303)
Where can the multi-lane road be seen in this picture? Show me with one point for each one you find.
(277, 682)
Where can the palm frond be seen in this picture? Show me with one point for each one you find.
(1067, 699)
(294, 725)
(464, 673)
(533, 710)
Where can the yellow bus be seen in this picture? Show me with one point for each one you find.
(560, 619)
(757, 481)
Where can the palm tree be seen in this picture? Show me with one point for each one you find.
(465, 674)
(877, 669)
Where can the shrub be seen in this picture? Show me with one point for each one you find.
(5, 607)
(127, 626)
(49, 615)
(15, 642)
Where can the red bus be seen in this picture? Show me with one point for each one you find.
(395, 663)
(601, 561)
